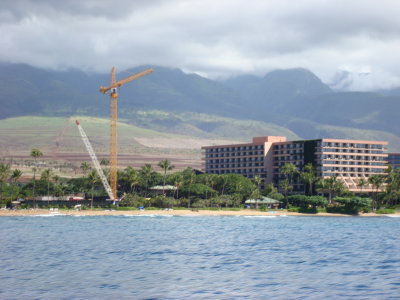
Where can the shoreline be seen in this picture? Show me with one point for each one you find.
(243, 212)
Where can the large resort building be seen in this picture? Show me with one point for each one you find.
(349, 160)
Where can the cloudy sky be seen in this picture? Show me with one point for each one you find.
(349, 44)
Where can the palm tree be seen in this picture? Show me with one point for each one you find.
(289, 170)
(93, 179)
(146, 173)
(224, 179)
(178, 181)
(392, 185)
(132, 177)
(286, 187)
(104, 162)
(258, 181)
(47, 175)
(189, 177)
(308, 177)
(85, 166)
(166, 166)
(332, 186)
(377, 182)
(362, 183)
(4, 174)
(209, 181)
(35, 153)
(15, 175)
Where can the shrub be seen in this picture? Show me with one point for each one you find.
(306, 201)
(386, 211)
(124, 208)
(308, 210)
(132, 200)
(350, 205)
(294, 209)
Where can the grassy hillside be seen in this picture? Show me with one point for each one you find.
(22, 133)
(205, 125)
(58, 138)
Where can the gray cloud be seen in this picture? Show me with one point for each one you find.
(213, 38)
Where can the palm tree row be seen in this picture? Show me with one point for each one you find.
(191, 189)
(385, 188)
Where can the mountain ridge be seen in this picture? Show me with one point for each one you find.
(295, 99)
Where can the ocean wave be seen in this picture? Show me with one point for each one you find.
(149, 215)
(48, 215)
(260, 216)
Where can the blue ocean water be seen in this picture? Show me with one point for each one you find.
(158, 257)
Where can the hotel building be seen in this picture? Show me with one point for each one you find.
(394, 160)
(349, 160)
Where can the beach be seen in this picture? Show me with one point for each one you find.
(185, 212)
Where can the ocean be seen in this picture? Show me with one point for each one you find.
(190, 257)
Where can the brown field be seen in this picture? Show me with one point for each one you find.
(64, 151)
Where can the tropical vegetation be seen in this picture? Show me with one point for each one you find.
(191, 189)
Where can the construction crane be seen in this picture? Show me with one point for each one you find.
(96, 162)
(112, 89)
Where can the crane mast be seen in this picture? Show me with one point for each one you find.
(112, 89)
(95, 162)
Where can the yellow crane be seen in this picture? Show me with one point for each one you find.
(112, 89)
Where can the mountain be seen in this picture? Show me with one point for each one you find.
(27, 90)
(292, 102)
(361, 110)
(300, 101)
(277, 90)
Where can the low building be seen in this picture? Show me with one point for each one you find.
(349, 160)
(394, 160)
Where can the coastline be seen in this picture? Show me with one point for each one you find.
(243, 212)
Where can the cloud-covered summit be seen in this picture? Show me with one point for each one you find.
(212, 38)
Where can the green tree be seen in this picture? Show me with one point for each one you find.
(362, 183)
(288, 170)
(177, 180)
(189, 177)
(35, 153)
(104, 162)
(46, 176)
(286, 187)
(4, 175)
(272, 192)
(132, 177)
(15, 175)
(308, 177)
(332, 186)
(392, 188)
(85, 167)
(93, 178)
(197, 190)
(258, 181)
(352, 205)
(377, 182)
(166, 166)
(146, 173)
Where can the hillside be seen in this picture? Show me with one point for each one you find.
(59, 139)
(294, 102)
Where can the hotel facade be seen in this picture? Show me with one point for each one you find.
(394, 160)
(349, 160)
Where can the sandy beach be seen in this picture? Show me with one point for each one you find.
(243, 212)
